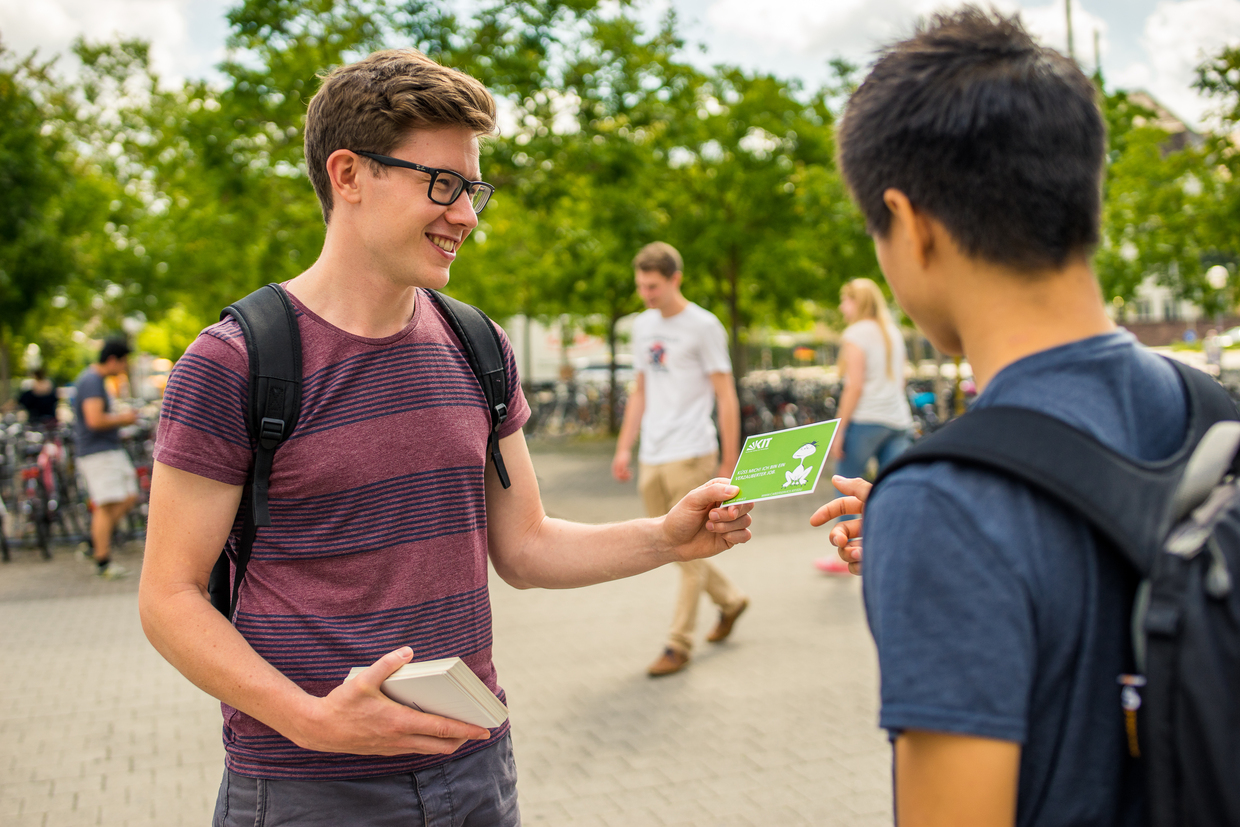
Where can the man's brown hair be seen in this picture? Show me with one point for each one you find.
(659, 257)
(371, 105)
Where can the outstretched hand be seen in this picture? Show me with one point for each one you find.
(358, 719)
(845, 536)
(698, 526)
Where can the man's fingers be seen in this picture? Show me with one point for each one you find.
(838, 507)
(448, 729)
(729, 519)
(852, 487)
(844, 533)
(730, 513)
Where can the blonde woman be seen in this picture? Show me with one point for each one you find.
(875, 420)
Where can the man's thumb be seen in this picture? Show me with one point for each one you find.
(382, 669)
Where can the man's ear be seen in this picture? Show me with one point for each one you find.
(913, 225)
(344, 169)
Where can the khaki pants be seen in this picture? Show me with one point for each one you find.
(661, 487)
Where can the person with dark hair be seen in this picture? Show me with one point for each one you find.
(684, 373)
(39, 400)
(384, 508)
(103, 464)
(976, 156)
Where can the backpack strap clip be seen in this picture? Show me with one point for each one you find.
(271, 433)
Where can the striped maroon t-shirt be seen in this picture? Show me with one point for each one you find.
(378, 536)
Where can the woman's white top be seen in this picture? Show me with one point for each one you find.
(883, 401)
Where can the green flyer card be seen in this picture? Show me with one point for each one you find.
(782, 463)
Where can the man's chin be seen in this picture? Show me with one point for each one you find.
(436, 279)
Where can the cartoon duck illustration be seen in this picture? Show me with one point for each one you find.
(800, 474)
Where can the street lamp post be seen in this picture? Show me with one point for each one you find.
(1216, 277)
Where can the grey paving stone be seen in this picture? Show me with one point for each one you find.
(774, 727)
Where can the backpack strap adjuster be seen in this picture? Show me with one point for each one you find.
(271, 432)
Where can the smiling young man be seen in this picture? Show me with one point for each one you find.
(976, 156)
(384, 511)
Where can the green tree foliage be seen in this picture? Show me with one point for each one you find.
(1170, 201)
(64, 231)
(135, 201)
(33, 259)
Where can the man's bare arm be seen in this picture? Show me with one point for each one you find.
(852, 371)
(630, 426)
(729, 409)
(945, 780)
(190, 519)
(97, 419)
(530, 549)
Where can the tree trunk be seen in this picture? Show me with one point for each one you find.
(526, 357)
(6, 375)
(613, 424)
(733, 275)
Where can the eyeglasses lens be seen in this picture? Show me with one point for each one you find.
(479, 198)
(446, 188)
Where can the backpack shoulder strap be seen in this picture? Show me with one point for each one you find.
(480, 343)
(273, 342)
(1131, 503)
(1121, 499)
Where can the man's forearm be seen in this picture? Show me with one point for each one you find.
(849, 398)
(204, 647)
(729, 433)
(559, 554)
(110, 422)
(631, 424)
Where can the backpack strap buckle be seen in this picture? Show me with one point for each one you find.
(271, 432)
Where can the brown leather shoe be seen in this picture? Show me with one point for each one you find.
(724, 627)
(670, 661)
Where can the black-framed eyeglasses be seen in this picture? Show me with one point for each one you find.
(446, 186)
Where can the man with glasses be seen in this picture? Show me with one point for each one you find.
(384, 510)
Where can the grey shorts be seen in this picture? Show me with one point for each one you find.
(109, 476)
(478, 790)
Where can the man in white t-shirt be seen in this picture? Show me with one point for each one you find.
(683, 370)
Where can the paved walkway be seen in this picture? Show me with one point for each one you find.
(774, 727)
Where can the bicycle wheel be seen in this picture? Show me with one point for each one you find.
(41, 516)
(71, 513)
(4, 540)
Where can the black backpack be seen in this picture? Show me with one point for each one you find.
(269, 324)
(1177, 522)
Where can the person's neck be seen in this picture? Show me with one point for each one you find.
(1003, 316)
(354, 295)
(675, 305)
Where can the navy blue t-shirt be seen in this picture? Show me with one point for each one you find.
(90, 385)
(994, 613)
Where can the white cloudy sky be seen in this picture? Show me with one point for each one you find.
(1148, 44)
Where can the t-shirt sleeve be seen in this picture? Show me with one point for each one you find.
(202, 424)
(952, 620)
(518, 407)
(715, 358)
(90, 386)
